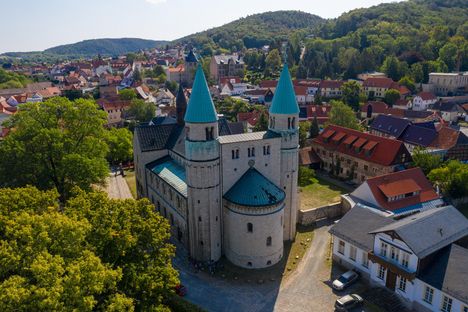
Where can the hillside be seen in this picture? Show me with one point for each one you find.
(89, 48)
(408, 38)
(105, 46)
(254, 31)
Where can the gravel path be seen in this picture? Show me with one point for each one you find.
(117, 187)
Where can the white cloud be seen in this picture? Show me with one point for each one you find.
(155, 1)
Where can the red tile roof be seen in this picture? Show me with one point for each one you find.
(225, 80)
(328, 84)
(399, 187)
(300, 90)
(446, 138)
(404, 90)
(321, 111)
(377, 107)
(268, 84)
(426, 96)
(385, 83)
(399, 183)
(384, 151)
(250, 117)
(307, 156)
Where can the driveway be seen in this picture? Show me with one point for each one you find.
(307, 289)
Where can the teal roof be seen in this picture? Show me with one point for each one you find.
(200, 106)
(284, 100)
(254, 190)
(172, 173)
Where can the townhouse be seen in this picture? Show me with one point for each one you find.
(357, 156)
(395, 194)
(421, 257)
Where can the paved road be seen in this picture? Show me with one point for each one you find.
(117, 187)
(307, 289)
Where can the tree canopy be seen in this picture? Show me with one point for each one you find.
(55, 144)
(9, 80)
(120, 144)
(141, 111)
(342, 115)
(93, 254)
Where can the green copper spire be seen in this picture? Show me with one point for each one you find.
(200, 106)
(284, 101)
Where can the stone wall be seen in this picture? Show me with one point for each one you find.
(310, 216)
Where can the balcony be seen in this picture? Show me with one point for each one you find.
(392, 266)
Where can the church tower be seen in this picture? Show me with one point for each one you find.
(181, 105)
(202, 173)
(284, 120)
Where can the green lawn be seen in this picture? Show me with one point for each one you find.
(320, 194)
(131, 181)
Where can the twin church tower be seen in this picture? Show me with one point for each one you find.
(223, 193)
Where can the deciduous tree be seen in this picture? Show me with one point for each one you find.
(342, 115)
(56, 144)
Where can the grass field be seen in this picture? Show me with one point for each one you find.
(320, 194)
(131, 181)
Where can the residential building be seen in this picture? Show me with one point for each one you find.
(450, 111)
(331, 88)
(448, 84)
(226, 65)
(223, 193)
(357, 156)
(421, 257)
(423, 100)
(396, 193)
(376, 87)
(310, 112)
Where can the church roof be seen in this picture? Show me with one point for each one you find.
(191, 58)
(171, 172)
(284, 101)
(181, 100)
(200, 107)
(254, 190)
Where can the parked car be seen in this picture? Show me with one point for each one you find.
(348, 302)
(345, 280)
(181, 290)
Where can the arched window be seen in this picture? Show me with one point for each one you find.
(268, 241)
(237, 153)
(293, 125)
(248, 152)
(253, 152)
(289, 123)
(268, 262)
(249, 227)
(233, 154)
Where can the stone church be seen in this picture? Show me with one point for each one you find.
(223, 193)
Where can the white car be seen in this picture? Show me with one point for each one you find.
(348, 302)
(345, 280)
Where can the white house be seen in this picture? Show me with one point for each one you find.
(422, 257)
(423, 100)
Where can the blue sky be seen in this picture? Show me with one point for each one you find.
(33, 25)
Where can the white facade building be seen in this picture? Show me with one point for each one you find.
(422, 258)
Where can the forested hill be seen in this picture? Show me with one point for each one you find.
(91, 48)
(254, 31)
(408, 38)
(105, 46)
